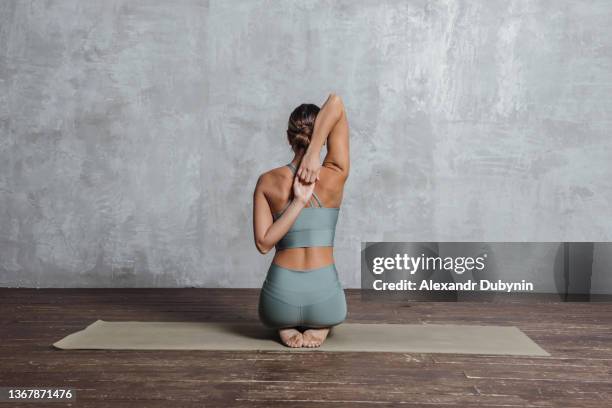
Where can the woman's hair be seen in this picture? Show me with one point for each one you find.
(301, 125)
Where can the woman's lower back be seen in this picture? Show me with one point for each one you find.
(304, 258)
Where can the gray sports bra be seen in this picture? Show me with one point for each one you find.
(314, 227)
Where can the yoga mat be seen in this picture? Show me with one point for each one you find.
(402, 338)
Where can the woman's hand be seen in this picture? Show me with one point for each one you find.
(310, 166)
(301, 191)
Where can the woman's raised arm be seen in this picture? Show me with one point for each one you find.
(328, 118)
(337, 156)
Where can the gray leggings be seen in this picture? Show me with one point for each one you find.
(312, 298)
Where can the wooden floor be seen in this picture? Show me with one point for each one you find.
(578, 335)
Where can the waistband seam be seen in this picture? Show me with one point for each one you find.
(271, 286)
(330, 266)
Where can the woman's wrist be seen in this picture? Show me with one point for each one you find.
(299, 202)
(313, 149)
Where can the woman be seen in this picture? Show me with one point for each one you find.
(295, 208)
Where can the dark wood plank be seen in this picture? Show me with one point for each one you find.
(578, 374)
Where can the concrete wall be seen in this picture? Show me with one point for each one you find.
(132, 132)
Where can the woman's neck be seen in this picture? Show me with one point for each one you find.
(297, 158)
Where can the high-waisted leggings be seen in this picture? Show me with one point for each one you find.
(312, 298)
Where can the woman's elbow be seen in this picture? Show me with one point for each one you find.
(262, 247)
(336, 100)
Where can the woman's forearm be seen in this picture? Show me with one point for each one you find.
(330, 114)
(279, 228)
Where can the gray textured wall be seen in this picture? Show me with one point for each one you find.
(132, 132)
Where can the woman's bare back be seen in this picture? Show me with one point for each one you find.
(277, 186)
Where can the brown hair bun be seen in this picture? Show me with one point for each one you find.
(301, 125)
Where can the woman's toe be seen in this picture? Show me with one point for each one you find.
(297, 341)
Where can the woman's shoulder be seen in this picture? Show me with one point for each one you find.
(273, 176)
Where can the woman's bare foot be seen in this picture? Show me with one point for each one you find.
(315, 337)
(291, 337)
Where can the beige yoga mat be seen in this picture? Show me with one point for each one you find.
(402, 338)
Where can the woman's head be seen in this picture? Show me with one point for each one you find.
(301, 125)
